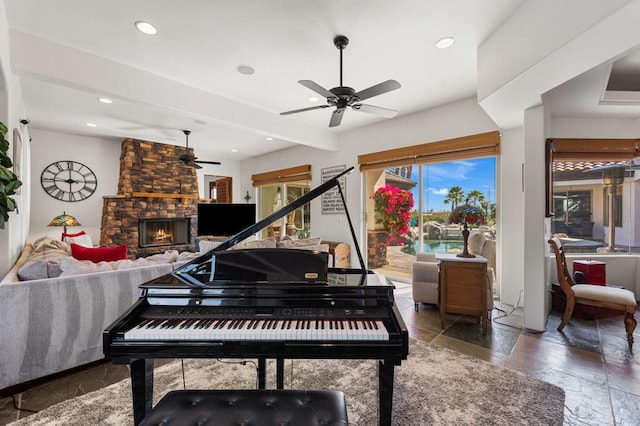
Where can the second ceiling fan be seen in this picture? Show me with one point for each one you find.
(190, 159)
(342, 97)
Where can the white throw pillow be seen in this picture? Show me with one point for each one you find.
(81, 239)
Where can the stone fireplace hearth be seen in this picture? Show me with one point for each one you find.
(153, 186)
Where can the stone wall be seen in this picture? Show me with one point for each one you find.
(153, 184)
(376, 249)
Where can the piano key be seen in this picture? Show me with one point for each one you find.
(258, 329)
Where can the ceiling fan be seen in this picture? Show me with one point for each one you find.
(190, 159)
(342, 97)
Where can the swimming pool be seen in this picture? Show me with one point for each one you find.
(437, 246)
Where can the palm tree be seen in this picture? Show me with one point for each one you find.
(475, 197)
(455, 197)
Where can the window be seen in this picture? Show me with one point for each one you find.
(278, 188)
(439, 175)
(605, 169)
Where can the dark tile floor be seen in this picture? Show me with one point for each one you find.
(589, 360)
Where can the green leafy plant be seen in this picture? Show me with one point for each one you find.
(9, 182)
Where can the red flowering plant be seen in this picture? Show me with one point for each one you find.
(469, 214)
(393, 207)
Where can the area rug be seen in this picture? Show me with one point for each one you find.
(434, 386)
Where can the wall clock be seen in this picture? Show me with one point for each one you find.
(68, 181)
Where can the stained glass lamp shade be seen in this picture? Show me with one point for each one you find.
(64, 220)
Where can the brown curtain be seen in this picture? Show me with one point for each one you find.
(292, 174)
(473, 146)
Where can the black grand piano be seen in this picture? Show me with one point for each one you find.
(264, 304)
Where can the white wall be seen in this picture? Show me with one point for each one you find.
(11, 110)
(100, 155)
(449, 121)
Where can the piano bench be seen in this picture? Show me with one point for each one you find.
(249, 408)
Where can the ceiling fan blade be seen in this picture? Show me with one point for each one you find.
(372, 109)
(207, 162)
(378, 89)
(304, 109)
(336, 117)
(316, 88)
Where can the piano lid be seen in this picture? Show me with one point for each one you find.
(192, 272)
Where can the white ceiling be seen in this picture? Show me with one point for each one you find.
(68, 53)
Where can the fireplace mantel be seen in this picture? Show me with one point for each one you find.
(159, 195)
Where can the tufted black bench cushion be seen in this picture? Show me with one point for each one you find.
(249, 408)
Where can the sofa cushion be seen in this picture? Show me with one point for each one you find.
(44, 260)
(299, 243)
(205, 246)
(80, 238)
(44, 264)
(99, 254)
(266, 243)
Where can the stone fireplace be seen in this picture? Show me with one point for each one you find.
(157, 194)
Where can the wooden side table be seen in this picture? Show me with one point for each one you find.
(463, 287)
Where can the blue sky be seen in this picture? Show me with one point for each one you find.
(440, 177)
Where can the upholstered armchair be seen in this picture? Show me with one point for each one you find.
(424, 279)
(480, 245)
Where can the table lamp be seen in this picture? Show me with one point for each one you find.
(64, 220)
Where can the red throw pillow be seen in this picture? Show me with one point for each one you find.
(99, 254)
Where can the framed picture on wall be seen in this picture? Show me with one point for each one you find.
(17, 155)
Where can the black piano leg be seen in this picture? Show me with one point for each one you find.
(279, 373)
(385, 392)
(262, 373)
(141, 388)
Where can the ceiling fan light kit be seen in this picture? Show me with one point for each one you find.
(190, 159)
(342, 97)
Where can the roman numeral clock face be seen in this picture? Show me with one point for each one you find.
(68, 181)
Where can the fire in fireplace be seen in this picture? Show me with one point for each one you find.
(163, 232)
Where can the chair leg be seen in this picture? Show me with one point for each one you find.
(630, 325)
(568, 311)
(415, 306)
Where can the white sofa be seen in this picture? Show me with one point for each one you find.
(50, 325)
(53, 324)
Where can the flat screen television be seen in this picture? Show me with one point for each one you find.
(224, 219)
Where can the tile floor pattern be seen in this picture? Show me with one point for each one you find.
(589, 360)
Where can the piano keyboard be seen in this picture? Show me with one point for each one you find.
(250, 330)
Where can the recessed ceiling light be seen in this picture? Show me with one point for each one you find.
(313, 99)
(234, 150)
(92, 125)
(445, 43)
(146, 28)
(105, 100)
(245, 69)
(269, 138)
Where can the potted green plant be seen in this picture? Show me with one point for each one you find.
(9, 182)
